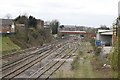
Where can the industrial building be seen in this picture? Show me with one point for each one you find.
(105, 37)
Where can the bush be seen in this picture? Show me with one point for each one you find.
(75, 63)
(113, 58)
(97, 51)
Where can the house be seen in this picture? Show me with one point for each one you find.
(7, 26)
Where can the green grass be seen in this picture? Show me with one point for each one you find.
(7, 45)
(85, 69)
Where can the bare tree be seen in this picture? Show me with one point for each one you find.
(8, 16)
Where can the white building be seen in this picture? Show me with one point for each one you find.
(105, 36)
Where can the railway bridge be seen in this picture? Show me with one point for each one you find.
(71, 29)
(74, 30)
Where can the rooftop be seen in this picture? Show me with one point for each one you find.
(5, 22)
(105, 32)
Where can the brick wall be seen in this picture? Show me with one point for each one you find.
(5, 29)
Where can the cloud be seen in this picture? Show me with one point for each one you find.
(67, 11)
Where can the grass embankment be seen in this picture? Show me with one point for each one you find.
(8, 46)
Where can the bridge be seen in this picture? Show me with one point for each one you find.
(73, 32)
(71, 29)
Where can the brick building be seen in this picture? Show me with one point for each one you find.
(40, 23)
(7, 26)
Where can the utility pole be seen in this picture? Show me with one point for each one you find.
(118, 31)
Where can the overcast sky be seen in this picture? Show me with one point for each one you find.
(72, 12)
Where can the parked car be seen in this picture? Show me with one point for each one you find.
(107, 44)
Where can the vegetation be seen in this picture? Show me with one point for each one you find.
(21, 19)
(8, 45)
(97, 49)
(75, 63)
(104, 27)
(113, 58)
(54, 26)
(32, 22)
(98, 68)
(33, 37)
(85, 66)
(29, 35)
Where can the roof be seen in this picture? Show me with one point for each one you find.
(5, 22)
(102, 31)
(106, 32)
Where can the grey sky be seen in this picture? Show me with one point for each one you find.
(76, 12)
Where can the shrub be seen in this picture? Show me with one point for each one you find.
(97, 51)
(113, 58)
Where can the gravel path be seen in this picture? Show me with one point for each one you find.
(106, 50)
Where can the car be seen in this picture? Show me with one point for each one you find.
(107, 44)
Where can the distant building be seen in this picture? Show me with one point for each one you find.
(47, 24)
(20, 25)
(105, 36)
(119, 8)
(7, 26)
(40, 23)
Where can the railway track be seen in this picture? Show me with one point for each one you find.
(28, 55)
(24, 54)
(61, 52)
(10, 64)
(9, 59)
(28, 62)
(27, 65)
(20, 52)
(28, 50)
(52, 66)
(31, 49)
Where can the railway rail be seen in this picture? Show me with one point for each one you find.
(55, 66)
(46, 71)
(11, 71)
(9, 59)
(24, 54)
(27, 65)
(28, 54)
(28, 50)
(4, 66)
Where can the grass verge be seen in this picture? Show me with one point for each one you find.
(8, 46)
